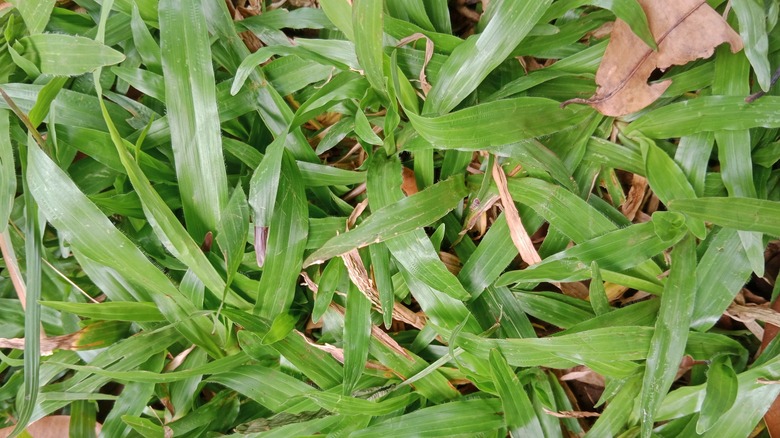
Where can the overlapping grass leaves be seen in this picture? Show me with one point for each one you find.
(131, 207)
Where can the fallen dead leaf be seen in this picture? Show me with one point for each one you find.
(409, 185)
(424, 84)
(635, 197)
(517, 231)
(53, 426)
(685, 30)
(359, 276)
(584, 374)
(772, 415)
(571, 414)
(83, 339)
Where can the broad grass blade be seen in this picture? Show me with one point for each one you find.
(67, 55)
(474, 59)
(287, 235)
(192, 112)
(518, 410)
(367, 19)
(92, 234)
(357, 332)
(671, 331)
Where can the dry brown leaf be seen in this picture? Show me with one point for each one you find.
(635, 197)
(424, 84)
(584, 374)
(49, 344)
(571, 414)
(517, 231)
(53, 426)
(753, 312)
(359, 276)
(409, 185)
(685, 30)
(772, 415)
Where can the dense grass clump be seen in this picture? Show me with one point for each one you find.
(374, 218)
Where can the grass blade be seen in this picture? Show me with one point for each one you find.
(518, 410)
(7, 167)
(471, 62)
(92, 234)
(710, 113)
(32, 308)
(367, 18)
(720, 393)
(671, 331)
(408, 214)
(67, 55)
(455, 418)
(35, 13)
(414, 250)
(753, 30)
(746, 214)
(192, 112)
(287, 235)
(496, 123)
(357, 332)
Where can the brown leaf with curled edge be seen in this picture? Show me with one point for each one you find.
(685, 30)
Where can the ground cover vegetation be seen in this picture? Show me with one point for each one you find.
(390, 218)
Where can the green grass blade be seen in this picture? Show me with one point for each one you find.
(596, 292)
(629, 11)
(380, 265)
(494, 253)
(164, 223)
(668, 181)
(710, 113)
(556, 309)
(753, 30)
(32, 310)
(82, 418)
(746, 214)
(496, 123)
(475, 58)
(192, 112)
(287, 235)
(271, 388)
(332, 276)
(357, 332)
(35, 13)
(91, 233)
(7, 167)
(340, 404)
(615, 251)
(597, 346)
(232, 232)
(455, 418)
(367, 18)
(753, 395)
(518, 411)
(67, 55)
(414, 250)
(618, 411)
(147, 47)
(416, 211)
(339, 13)
(45, 97)
(110, 311)
(693, 153)
(722, 271)
(732, 73)
(671, 331)
(720, 393)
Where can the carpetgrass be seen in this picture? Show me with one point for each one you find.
(374, 218)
